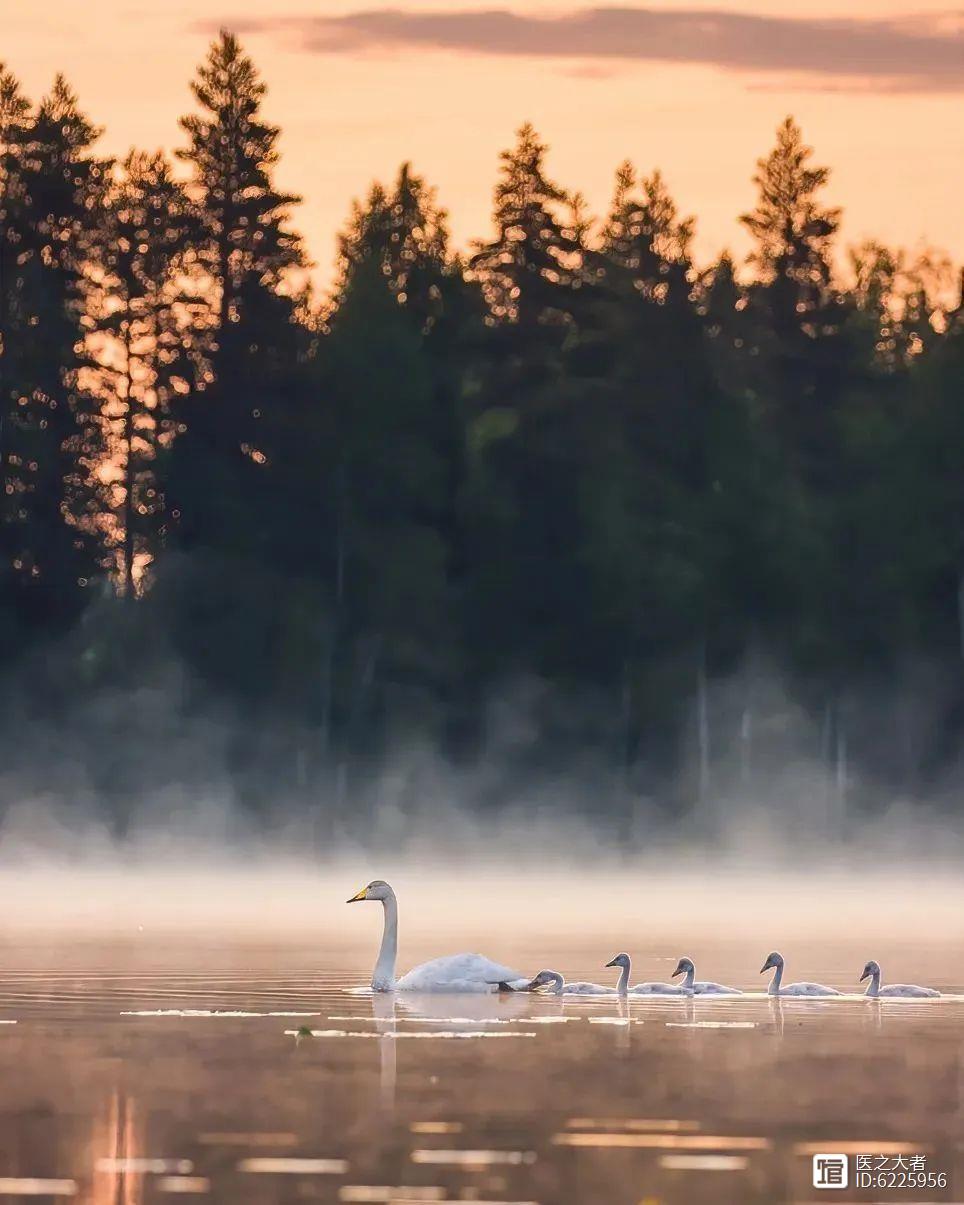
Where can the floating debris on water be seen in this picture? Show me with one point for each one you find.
(865, 1148)
(473, 1158)
(393, 1036)
(207, 1012)
(185, 1184)
(710, 1024)
(650, 1124)
(13, 1186)
(181, 1167)
(242, 1138)
(375, 1194)
(664, 1141)
(704, 1163)
(267, 1165)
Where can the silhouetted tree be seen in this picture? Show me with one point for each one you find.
(214, 472)
(52, 185)
(404, 232)
(141, 317)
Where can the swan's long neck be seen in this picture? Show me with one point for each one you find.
(622, 985)
(557, 984)
(383, 978)
(774, 988)
(873, 987)
(690, 979)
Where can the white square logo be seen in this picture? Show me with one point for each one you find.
(830, 1171)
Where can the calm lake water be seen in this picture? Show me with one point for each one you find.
(143, 1066)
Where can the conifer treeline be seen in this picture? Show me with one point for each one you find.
(571, 457)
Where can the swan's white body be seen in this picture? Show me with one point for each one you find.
(776, 987)
(655, 989)
(455, 973)
(640, 989)
(894, 991)
(701, 987)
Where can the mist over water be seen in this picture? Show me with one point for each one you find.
(166, 771)
(159, 810)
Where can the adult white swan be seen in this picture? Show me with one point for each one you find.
(905, 991)
(701, 987)
(624, 962)
(792, 989)
(455, 973)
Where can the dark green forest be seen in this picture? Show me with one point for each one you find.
(569, 467)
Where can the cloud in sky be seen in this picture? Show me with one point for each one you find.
(909, 54)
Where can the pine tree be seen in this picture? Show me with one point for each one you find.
(143, 353)
(646, 238)
(247, 254)
(15, 121)
(803, 363)
(530, 269)
(233, 152)
(792, 230)
(405, 233)
(52, 185)
(511, 510)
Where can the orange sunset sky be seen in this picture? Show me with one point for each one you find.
(693, 88)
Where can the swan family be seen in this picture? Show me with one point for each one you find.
(459, 973)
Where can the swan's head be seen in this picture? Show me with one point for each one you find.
(683, 967)
(547, 981)
(621, 960)
(773, 960)
(377, 889)
(872, 968)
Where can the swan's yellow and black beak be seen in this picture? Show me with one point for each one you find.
(865, 975)
(361, 895)
(615, 963)
(678, 971)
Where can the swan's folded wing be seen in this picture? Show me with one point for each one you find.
(706, 987)
(909, 991)
(458, 973)
(583, 988)
(809, 989)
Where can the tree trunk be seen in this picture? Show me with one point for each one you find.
(130, 473)
(746, 746)
(960, 609)
(703, 732)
